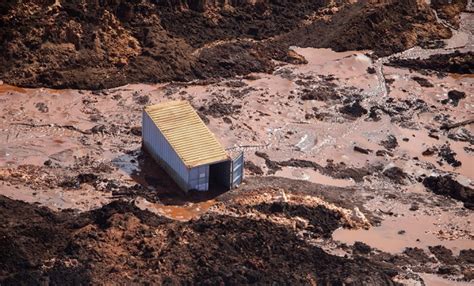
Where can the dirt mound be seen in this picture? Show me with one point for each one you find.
(449, 10)
(92, 45)
(457, 62)
(119, 242)
(385, 28)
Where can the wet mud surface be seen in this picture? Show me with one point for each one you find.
(359, 167)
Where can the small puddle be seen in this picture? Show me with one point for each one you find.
(418, 232)
(11, 88)
(180, 213)
(312, 176)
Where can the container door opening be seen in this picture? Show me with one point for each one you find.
(220, 176)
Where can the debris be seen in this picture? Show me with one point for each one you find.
(456, 125)
(447, 186)
(422, 81)
(362, 150)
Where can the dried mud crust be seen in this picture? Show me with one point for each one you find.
(119, 242)
(90, 45)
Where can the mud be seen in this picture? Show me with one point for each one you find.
(71, 248)
(89, 45)
(456, 62)
(311, 210)
(446, 186)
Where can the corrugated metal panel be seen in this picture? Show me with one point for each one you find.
(199, 178)
(237, 170)
(186, 133)
(159, 148)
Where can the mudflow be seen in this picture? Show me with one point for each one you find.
(355, 117)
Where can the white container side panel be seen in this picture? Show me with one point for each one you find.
(157, 145)
(199, 178)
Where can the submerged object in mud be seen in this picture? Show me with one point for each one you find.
(177, 138)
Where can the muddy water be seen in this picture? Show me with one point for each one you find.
(421, 230)
(269, 120)
(4, 88)
(181, 213)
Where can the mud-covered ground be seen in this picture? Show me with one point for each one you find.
(359, 165)
(102, 44)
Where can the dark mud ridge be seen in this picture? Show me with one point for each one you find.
(120, 243)
(457, 62)
(100, 44)
(447, 186)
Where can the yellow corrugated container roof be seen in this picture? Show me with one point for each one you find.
(187, 134)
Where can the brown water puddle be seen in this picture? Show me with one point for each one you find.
(419, 141)
(11, 88)
(180, 213)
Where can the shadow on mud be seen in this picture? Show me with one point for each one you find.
(154, 184)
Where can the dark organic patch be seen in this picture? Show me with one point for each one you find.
(447, 186)
(422, 81)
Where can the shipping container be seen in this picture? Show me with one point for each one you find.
(179, 141)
